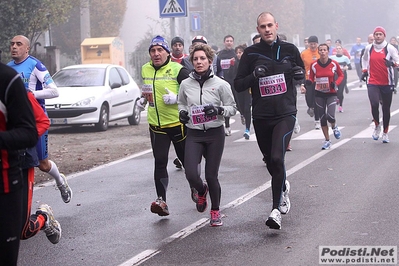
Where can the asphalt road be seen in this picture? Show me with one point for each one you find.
(342, 196)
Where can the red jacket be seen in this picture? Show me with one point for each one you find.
(42, 121)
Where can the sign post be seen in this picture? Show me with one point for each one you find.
(172, 8)
(195, 21)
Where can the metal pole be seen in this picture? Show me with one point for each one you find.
(172, 28)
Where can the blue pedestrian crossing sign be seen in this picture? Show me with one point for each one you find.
(172, 8)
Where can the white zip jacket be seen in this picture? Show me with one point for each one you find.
(215, 91)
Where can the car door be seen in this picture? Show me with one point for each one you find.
(119, 101)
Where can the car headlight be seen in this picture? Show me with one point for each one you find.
(84, 102)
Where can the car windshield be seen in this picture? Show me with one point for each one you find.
(80, 77)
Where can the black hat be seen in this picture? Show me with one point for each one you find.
(176, 40)
(313, 39)
(338, 41)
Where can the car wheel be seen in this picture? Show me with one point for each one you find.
(135, 118)
(102, 124)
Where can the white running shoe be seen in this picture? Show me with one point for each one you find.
(385, 138)
(227, 131)
(297, 127)
(376, 133)
(274, 220)
(317, 124)
(285, 203)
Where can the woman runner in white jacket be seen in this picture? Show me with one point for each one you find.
(204, 100)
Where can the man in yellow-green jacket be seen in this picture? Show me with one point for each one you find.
(161, 82)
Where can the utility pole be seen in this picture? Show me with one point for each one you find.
(85, 19)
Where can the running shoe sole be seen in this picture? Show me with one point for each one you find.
(155, 208)
(273, 224)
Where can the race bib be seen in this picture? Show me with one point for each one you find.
(322, 84)
(148, 93)
(272, 85)
(198, 116)
(225, 63)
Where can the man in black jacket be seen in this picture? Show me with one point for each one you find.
(17, 131)
(270, 68)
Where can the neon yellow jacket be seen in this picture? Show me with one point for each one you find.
(155, 81)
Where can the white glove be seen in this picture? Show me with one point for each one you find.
(169, 97)
(141, 103)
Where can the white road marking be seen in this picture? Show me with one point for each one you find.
(147, 254)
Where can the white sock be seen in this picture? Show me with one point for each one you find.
(55, 173)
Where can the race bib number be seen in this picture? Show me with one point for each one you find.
(272, 85)
(148, 93)
(225, 63)
(322, 84)
(198, 116)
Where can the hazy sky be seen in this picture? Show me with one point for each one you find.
(139, 18)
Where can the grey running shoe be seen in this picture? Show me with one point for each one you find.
(310, 112)
(52, 227)
(202, 203)
(242, 120)
(285, 203)
(227, 131)
(160, 207)
(66, 191)
(274, 220)
(216, 218)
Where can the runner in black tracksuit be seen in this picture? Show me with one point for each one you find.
(269, 68)
(17, 131)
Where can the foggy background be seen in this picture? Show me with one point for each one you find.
(298, 19)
